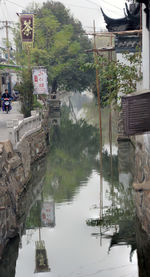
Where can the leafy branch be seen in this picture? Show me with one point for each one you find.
(117, 77)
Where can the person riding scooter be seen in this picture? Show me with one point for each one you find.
(6, 97)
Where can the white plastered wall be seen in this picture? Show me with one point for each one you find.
(145, 53)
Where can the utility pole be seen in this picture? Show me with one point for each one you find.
(6, 25)
(7, 42)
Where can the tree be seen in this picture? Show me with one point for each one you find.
(26, 91)
(116, 77)
(60, 44)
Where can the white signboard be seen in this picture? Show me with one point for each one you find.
(39, 76)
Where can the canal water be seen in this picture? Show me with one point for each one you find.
(62, 234)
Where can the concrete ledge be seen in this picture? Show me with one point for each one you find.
(18, 130)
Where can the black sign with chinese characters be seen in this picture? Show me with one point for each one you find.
(27, 27)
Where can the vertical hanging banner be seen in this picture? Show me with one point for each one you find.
(27, 28)
(39, 77)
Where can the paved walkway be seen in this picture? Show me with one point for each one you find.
(13, 114)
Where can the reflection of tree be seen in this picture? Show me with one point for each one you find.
(72, 157)
(110, 177)
(34, 218)
(91, 115)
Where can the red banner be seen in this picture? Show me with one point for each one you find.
(27, 27)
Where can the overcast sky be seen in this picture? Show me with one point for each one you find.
(84, 10)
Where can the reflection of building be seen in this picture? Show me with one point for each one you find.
(126, 163)
(125, 236)
(54, 111)
(48, 214)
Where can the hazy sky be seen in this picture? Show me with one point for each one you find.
(84, 10)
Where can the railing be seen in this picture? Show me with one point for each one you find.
(18, 130)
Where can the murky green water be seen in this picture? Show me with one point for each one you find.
(66, 205)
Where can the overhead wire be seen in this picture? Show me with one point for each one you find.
(1, 10)
(110, 4)
(98, 5)
(16, 4)
(90, 1)
(3, 13)
(83, 7)
(2, 23)
(7, 10)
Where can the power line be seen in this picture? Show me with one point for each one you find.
(111, 4)
(6, 25)
(18, 5)
(1, 10)
(3, 13)
(7, 10)
(93, 3)
(85, 7)
(90, 1)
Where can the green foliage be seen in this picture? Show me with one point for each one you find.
(26, 92)
(36, 103)
(60, 42)
(117, 77)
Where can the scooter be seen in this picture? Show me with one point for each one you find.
(6, 105)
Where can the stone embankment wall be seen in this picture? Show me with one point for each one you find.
(15, 172)
(141, 183)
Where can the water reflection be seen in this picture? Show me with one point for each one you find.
(48, 214)
(119, 216)
(64, 194)
(41, 260)
(25, 203)
(72, 158)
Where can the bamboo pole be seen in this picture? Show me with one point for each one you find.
(115, 33)
(39, 234)
(100, 50)
(110, 117)
(100, 123)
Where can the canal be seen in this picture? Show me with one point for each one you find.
(60, 231)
